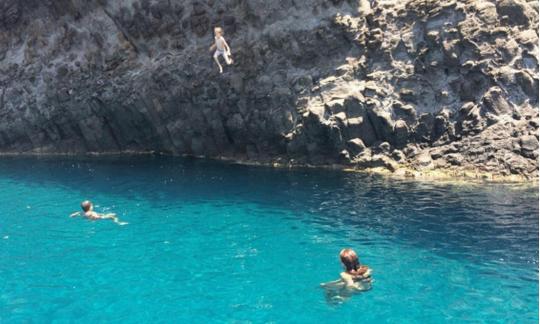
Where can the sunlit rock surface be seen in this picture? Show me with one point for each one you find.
(425, 85)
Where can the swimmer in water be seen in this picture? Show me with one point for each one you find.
(221, 47)
(355, 278)
(88, 212)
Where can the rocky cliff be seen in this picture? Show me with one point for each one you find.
(408, 86)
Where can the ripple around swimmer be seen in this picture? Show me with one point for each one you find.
(233, 243)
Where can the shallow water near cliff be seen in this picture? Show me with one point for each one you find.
(229, 243)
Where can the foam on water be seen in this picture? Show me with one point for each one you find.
(209, 241)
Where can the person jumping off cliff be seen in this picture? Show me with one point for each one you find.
(221, 47)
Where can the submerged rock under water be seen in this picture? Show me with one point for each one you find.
(425, 85)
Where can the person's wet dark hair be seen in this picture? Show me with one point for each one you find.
(86, 205)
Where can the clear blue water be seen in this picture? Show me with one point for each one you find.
(228, 243)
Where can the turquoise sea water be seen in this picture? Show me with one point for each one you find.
(210, 242)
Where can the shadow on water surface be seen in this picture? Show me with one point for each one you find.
(488, 223)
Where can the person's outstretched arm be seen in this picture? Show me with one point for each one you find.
(332, 283)
(75, 214)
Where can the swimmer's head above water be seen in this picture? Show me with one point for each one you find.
(87, 206)
(350, 262)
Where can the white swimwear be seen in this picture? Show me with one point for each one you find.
(220, 49)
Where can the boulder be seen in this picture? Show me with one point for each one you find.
(455, 159)
(424, 128)
(398, 155)
(361, 128)
(423, 160)
(355, 146)
(405, 112)
(401, 133)
(441, 125)
(469, 120)
(495, 102)
(515, 12)
(529, 146)
(382, 123)
(527, 83)
(487, 11)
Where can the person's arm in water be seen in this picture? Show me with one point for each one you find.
(75, 214)
(332, 283)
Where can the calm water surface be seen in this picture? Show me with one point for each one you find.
(227, 243)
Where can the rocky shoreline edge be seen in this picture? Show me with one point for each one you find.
(402, 172)
(413, 88)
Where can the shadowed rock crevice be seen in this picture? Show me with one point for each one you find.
(389, 84)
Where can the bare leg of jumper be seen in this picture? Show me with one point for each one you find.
(216, 58)
(114, 218)
(228, 58)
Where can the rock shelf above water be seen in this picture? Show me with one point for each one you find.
(416, 85)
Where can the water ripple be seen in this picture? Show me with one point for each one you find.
(209, 241)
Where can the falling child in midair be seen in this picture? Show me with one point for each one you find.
(222, 48)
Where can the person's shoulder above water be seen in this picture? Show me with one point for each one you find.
(92, 214)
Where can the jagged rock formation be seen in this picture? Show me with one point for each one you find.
(403, 85)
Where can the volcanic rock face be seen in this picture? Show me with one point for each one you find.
(420, 83)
